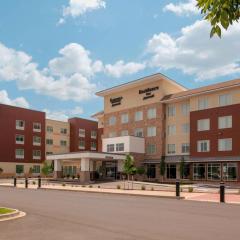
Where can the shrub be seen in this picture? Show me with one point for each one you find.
(190, 189)
(152, 188)
(98, 186)
(90, 186)
(68, 175)
(78, 176)
(63, 184)
(34, 183)
(83, 186)
(73, 177)
(143, 187)
(118, 187)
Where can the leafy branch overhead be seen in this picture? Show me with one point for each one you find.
(220, 13)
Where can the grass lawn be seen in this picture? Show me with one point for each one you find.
(5, 210)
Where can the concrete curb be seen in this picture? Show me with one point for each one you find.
(116, 193)
(11, 216)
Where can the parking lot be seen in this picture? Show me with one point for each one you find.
(76, 215)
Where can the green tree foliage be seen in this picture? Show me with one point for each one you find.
(220, 13)
(182, 167)
(46, 169)
(128, 166)
(140, 170)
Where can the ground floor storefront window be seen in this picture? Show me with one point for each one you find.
(199, 171)
(229, 171)
(186, 171)
(214, 171)
(171, 171)
(69, 170)
(151, 171)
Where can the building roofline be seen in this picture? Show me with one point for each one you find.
(108, 90)
(28, 109)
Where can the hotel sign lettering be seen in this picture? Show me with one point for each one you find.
(148, 92)
(116, 101)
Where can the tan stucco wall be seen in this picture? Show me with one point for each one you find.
(178, 120)
(9, 169)
(56, 135)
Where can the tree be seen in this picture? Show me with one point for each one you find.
(128, 166)
(220, 13)
(46, 169)
(182, 167)
(162, 167)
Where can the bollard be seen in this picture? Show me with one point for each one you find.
(222, 192)
(177, 188)
(26, 182)
(15, 182)
(39, 182)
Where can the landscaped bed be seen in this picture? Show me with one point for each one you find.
(6, 210)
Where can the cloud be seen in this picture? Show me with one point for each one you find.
(194, 53)
(63, 115)
(18, 102)
(65, 78)
(183, 8)
(78, 8)
(120, 68)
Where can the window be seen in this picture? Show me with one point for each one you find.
(171, 148)
(225, 122)
(171, 130)
(81, 144)
(225, 144)
(138, 116)
(120, 147)
(124, 118)
(112, 134)
(49, 153)
(112, 121)
(185, 148)
(36, 141)
(36, 154)
(93, 146)
(19, 153)
(138, 132)
(19, 169)
(20, 124)
(203, 124)
(151, 149)
(202, 103)
(203, 146)
(63, 131)
(185, 108)
(229, 171)
(171, 171)
(151, 113)
(186, 128)
(49, 141)
(225, 99)
(110, 147)
(49, 129)
(151, 131)
(124, 133)
(36, 169)
(199, 171)
(214, 171)
(93, 134)
(81, 132)
(151, 170)
(37, 127)
(63, 143)
(171, 111)
(19, 139)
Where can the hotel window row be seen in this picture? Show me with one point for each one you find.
(19, 154)
(119, 147)
(20, 125)
(185, 109)
(19, 139)
(82, 146)
(223, 122)
(138, 116)
(82, 133)
(171, 148)
(62, 130)
(63, 143)
(171, 129)
(224, 144)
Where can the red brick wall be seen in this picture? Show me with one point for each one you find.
(100, 134)
(8, 131)
(80, 123)
(214, 133)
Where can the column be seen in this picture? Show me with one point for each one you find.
(57, 168)
(85, 170)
